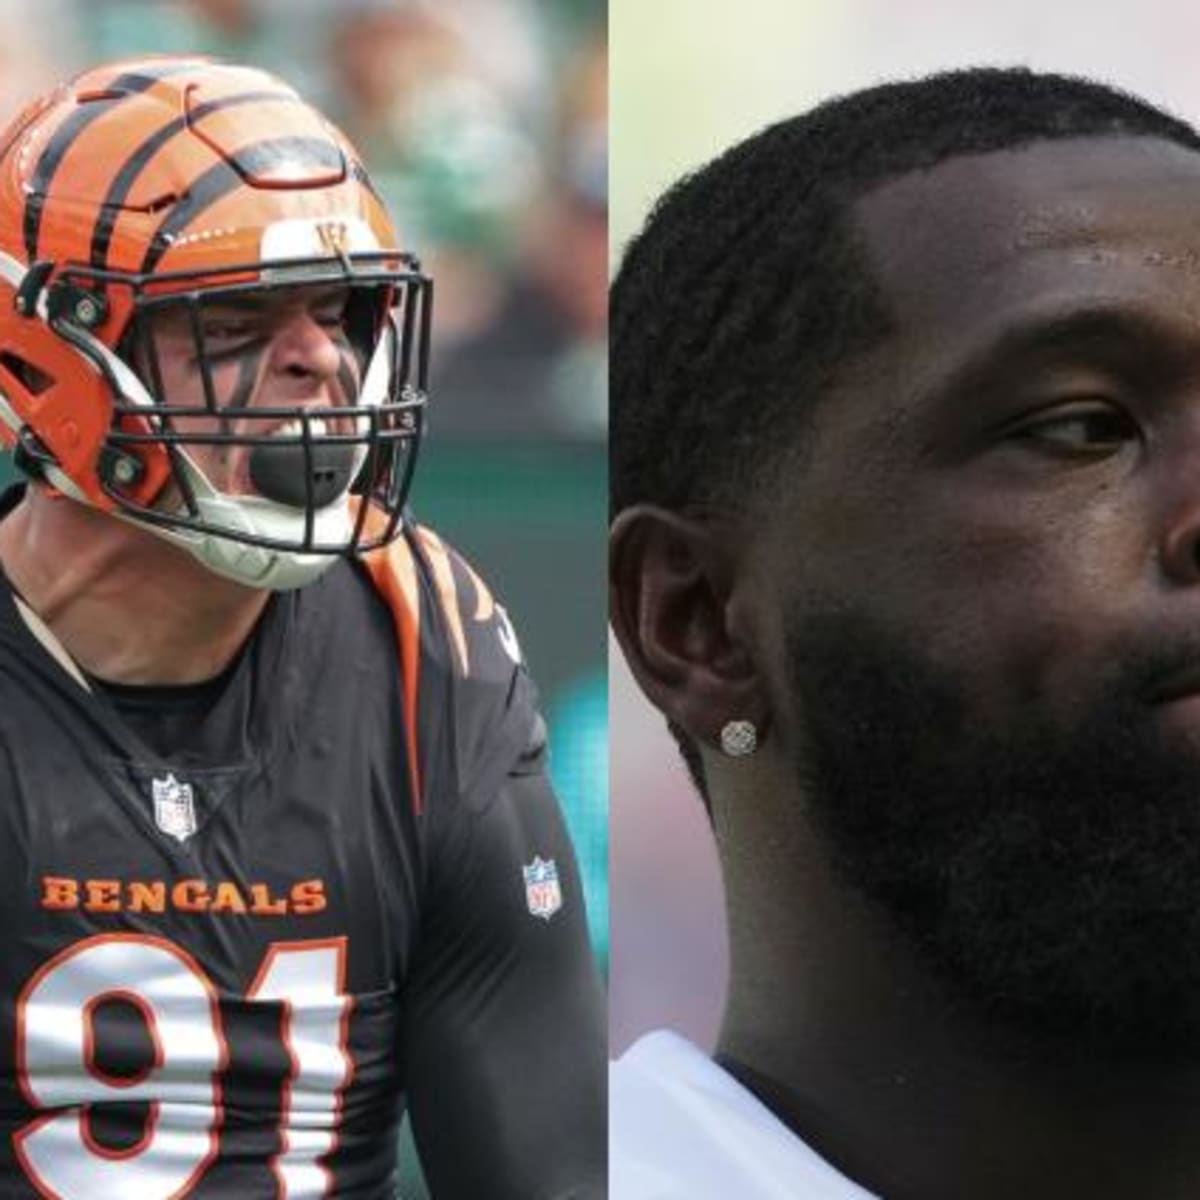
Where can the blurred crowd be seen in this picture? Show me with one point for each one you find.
(483, 123)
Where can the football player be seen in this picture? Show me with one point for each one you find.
(280, 855)
(906, 438)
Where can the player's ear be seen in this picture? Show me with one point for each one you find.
(672, 588)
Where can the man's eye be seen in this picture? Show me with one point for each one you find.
(331, 320)
(1082, 430)
(231, 329)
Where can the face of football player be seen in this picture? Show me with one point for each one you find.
(285, 350)
(987, 569)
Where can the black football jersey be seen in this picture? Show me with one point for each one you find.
(237, 936)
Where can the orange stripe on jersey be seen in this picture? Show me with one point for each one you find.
(394, 572)
(485, 606)
(439, 560)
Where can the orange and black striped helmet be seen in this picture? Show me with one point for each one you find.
(154, 190)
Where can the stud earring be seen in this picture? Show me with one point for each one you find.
(739, 738)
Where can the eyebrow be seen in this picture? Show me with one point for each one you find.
(1109, 334)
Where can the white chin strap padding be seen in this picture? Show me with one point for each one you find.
(257, 566)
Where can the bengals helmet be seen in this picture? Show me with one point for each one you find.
(154, 191)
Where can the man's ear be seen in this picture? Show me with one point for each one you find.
(672, 582)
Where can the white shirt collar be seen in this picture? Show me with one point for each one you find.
(681, 1127)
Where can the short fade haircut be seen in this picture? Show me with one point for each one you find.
(747, 290)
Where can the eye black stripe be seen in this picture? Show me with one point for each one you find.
(247, 377)
(122, 184)
(218, 181)
(65, 135)
(346, 377)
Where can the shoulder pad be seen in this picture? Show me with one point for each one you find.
(461, 665)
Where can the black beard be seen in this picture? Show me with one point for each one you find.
(1049, 877)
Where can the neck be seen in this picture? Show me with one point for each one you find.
(127, 606)
(904, 1090)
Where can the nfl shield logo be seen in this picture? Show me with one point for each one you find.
(174, 808)
(542, 892)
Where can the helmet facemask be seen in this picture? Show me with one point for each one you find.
(291, 510)
(140, 197)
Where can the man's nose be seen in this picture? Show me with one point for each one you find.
(304, 348)
(1180, 543)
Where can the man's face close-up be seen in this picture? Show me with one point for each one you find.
(289, 350)
(984, 578)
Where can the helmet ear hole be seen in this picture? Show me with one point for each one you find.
(33, 378)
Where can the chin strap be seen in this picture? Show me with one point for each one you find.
(256, 566)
